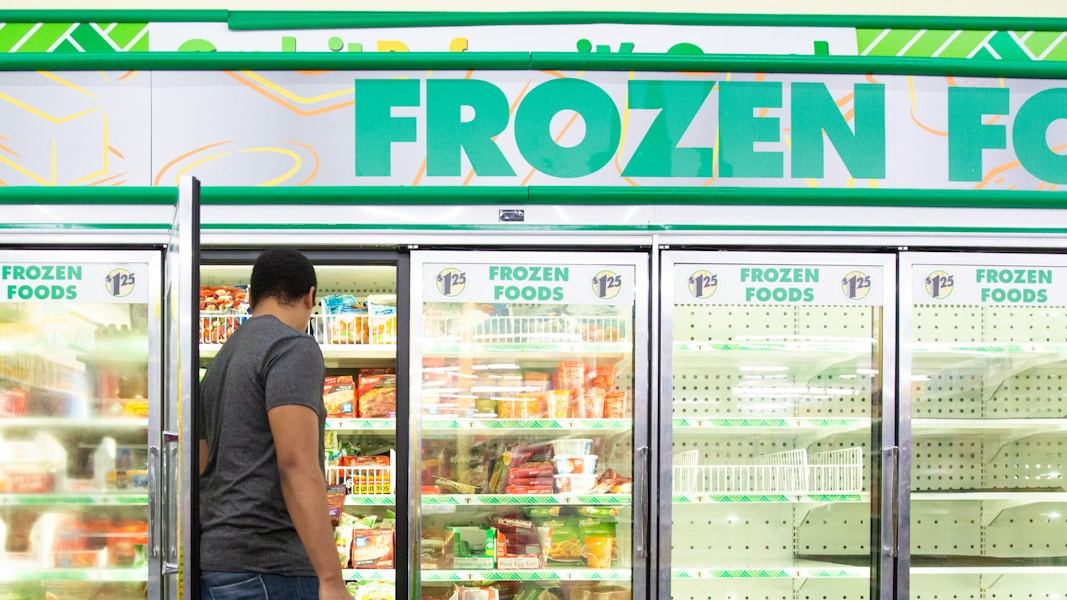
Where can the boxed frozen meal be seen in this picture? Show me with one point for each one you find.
(377, 396)
(519, 545)
(373, 549)
(339, 396)
(472, 547)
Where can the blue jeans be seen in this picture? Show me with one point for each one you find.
(218, 585)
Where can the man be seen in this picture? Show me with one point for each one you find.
(265, 526)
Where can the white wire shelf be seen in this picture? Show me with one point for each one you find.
(537, 329)
(793, 472)
(365, 480)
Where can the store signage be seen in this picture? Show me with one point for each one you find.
(777, 284)
(529, 283)
(93, 282)
(742, 140)
(990, 285)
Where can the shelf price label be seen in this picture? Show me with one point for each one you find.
(73, 282)
(826, 285)
(529, 283)
(988, 285)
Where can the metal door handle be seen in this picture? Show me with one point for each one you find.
(642, 536)
(889, 461)
(155, 518)
(169, 569)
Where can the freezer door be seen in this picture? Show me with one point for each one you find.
(178, 446)
(772, 409)
(79, 349)
(529, 386)
(983, 425)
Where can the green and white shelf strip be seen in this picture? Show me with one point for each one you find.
(73, 499)
(361, 424)
(370, 500)
(556, 348)
(767, 498)
(539, 575)
(770, 573)
(528, 500)
(369, 574)
(526, 424)
(101, 575)
(697, 423)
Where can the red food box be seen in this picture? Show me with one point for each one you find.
(339, 396)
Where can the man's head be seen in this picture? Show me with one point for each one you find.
(282, 274)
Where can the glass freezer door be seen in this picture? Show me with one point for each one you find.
(983, 364)
(529, 374)
(79, 355)
(771, 404)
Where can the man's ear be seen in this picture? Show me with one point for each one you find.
(309, 298)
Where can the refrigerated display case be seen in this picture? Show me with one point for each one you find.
(983, 417)
(79, 397)
(530, 391)
(356, 326)
(772, 403)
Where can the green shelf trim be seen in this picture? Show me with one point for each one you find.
(612, 196)
(696, 347)
(554, 574)
(581, 347)
(522, 61)
(283, 20)
(526, 500)
(73, 499)
(764, 498)
(112, 16)
(260, 20)
(431, 423)
(361, 424)
(100, 575)
(369, 575)
(700, 423)
(789, 573)
(369, 500)
(52, 195)
(544, 195)
(85, 226)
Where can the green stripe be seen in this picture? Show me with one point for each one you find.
(893, 42)
(255, 20)
(45, 37)
(90, 39)
(1039, 41)
(928, 43)
(964, 45)
(85, 226)
(1006, 47)
(422, 61)
(114, 16)
(123, 33)
(1059, 53)
(88, 195)
(11, 33)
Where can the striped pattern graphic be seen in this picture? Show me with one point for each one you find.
(969, 44)
(97, 38)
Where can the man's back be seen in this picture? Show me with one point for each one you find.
(245, 525)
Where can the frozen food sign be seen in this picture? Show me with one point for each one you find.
(73, 282)
(776, 130)
(529, 283)
(991, 285)
(778, 284)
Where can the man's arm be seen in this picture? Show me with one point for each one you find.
(203, 455)
(296, 440)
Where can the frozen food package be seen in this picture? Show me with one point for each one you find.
(342, 537)
(602, 377)
(559, 404)
(382, 311)
(373, 549)
(376, 590)
(571, 375)
(479, 593)
(345, 318)
(339, 396)
(590, 404)
(377, 396)
(617, 405)
(335, 497)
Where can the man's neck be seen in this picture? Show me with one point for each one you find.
(292, 315)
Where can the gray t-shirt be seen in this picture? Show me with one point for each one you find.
(244, 523)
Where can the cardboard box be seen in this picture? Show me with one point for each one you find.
(472, 548)
(377, 396)
(339, 396)
(506, 561)
(373, 549)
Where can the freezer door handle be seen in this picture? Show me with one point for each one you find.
(642, 536)
(154, 517)
(169, 569)
(889, 462)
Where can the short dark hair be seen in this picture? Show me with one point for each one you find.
(283, 274)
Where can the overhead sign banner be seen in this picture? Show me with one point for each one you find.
(513, 282)
(609, 129)
(989, 285)
(825, 285)
(112, 283)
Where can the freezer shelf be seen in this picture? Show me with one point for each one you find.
(73, 499)
(527, 500)
(769, 498)
(369, 574)
(8, 574)
(795, 569)
(81, 424)
(435, 426)
(552, 574)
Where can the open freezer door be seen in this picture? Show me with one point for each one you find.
(178, 453)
